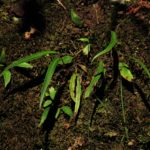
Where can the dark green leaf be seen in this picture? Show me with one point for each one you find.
(75, 18)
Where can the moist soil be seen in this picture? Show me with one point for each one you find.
(100, 123)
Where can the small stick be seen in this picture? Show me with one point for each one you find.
(59, 2)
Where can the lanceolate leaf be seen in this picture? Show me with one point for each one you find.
(52, 93)
(44, 116)
(28, 58)
(125, 72)
(57, 113)
(75, 18)
(100, 70)
(47, 103)
(72, 84)
(66, 60)
(78, 95)
(25, 65)
(85, 40)
(50, 71)
(75, 91)
(67, 110)
(87, 49)
(112, 43)
(7, 77)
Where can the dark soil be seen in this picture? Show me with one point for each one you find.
(99, 124)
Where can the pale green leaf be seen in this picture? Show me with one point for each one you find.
(25, 65)
(44, 116)
(52, 93)
(57, 113)
(85, 40)
(50, 71)
(78, 95)
(47, 103)
(125, 72)
(86, 49)
(46, 94)
(111, 134)
(7, 77)
(66, 60)
(112, 43)
(72, 83)
(67, 110)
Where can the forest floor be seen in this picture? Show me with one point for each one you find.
(102, 123)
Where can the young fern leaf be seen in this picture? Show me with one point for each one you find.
(99, 71)
(110, 46)
(49, 74)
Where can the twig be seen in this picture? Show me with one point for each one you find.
(59, 2)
